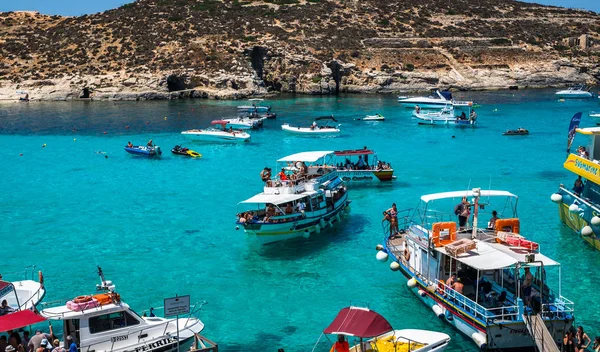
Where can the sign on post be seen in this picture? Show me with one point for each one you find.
(177, 305)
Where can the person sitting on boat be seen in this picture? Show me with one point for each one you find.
(314, 125)
(463, 116)
(361, 163)
(501, 299)
(578, 186)
(451, 280)
(583, 153)
(6, 309)
(150, 144)
(458, 286)
(129, 145)
(289, 209)
(417, 109)
(270, 212)
(282, 175)
(406, 256)
(492, 222)
(341, 345)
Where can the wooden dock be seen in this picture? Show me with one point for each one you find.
(540, 333)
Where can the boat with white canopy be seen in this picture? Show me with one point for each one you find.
(501, 290)
(101, 321)
(305, 197)
(360, 323)
(214, 135)
(315, 129)
(254, 106)
(354, 166)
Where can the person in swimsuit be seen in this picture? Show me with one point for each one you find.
(392, 216)
(582, 340)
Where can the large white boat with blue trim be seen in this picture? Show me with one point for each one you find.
(437, 100)
(575, 92)
(305, 197)
(489, 301)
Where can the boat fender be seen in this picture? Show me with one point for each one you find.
(306, 234)
(347, 208)
(587, 231)
(480, 340)
(318, 229)
(379, 247)
(422, 293)
(382, 256)
(395, 266)
(438, 311)
(573, 208)
(556, 198)
(595, 221)
(322, 223)
(412, 282)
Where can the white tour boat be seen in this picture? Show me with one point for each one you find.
(437, 99)
(214, 135)
(103, 322)
(354, 166)
(308, 197)
(254, 106)
(362, 323)
(488, 301)
(576, 92)
(237, 123)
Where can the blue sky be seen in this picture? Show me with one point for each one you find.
(79, 7)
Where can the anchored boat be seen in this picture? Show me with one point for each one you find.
(22, 294)
(237, 124)
(363, 323)
(304, 198)
(315, 128)
(254, 106)
(146, 151)
(103, 322)
(489, 301)
(354, 166)
(579, 205)
(575, 92)
(438, 99)
(214, 135)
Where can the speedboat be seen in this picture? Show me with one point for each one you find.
(489, 259)
(306, 197)
(254, 106)
(179, 150)
(376, 117)
(362, 323)
(236, 124)
(315, 128)
(518, 132)
(446, 113)
(101, 321)
(575, 92)
(214, 135)
(445, 117)
(354, 166)
(143, 150)
(23, 294)
(437, 99)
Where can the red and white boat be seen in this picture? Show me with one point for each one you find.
(362, 166)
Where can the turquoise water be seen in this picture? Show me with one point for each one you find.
(165, 227)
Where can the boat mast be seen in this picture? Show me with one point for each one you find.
(476, 194)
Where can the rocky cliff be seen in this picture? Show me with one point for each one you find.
(153, 49)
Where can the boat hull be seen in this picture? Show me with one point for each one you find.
(223, 137)
(308, 132)
(366, 176)
(274, 232)
(145, 152)
(576, 222)
(504, 335)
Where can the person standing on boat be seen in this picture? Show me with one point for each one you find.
(526, 285)
(392, 216)
(282, 175)
(341, 345)
(265, 175)
(463, 211)
(578, 186)
(150, 144)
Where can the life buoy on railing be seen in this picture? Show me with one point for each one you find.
(513, 224)
(438, 227)
(82, 299)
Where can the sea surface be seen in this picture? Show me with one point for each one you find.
(71, 198)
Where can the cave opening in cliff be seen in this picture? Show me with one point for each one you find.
(85, 93)
(257, 57)
(175, 83)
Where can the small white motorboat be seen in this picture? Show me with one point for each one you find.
(254, 106)
(594, 114)
(376, 117)
(23, 294)
(446, 117)
(359, 323)
(214, 135)
(319, 130)
(576, 92)
(236, 124)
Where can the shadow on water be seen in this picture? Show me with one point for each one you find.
(298, 248)
(551, 175)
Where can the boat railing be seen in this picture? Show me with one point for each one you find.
(28, 273)
(558, 309)
(580, 199)
(475, 309)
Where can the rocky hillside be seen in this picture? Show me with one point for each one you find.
(220, 48)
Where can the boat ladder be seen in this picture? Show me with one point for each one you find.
(540, 333)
